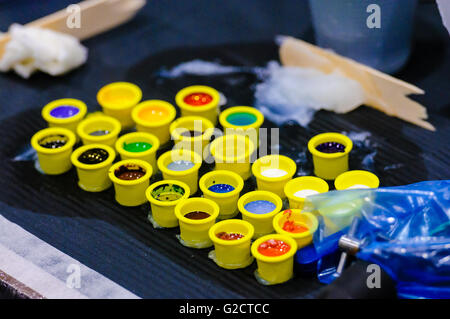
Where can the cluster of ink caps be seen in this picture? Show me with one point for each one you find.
(208, 220)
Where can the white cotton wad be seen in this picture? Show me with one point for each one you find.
(198, 67)
(32, 48)
(294, 93)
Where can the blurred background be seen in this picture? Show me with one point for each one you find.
(165, 24)
(168, 24)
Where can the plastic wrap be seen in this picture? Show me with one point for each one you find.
(405, 229)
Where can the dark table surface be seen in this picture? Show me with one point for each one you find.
(168, 32)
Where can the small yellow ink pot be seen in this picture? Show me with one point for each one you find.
(356, 179)
(54, 161)
(148, 155)
(231, 254)
(242, 120)
(272, 172)
(118, 99)
(131, 178)
(99, 129)
(163, 197)
(194, 232)
(260, 219)
(329, 165)
(298, 218)
(93, 177)
(338, 215)
(66, 113)
(274, 270)
(306, 184)
(233, 153)
(181, 165)
(154, 116)
(213, 184)
(354, 201)
(192, 133)
(199, 100)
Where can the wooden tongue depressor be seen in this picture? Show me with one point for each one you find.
(97, 16)
(382, 91)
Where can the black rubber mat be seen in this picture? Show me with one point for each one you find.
(122, 245)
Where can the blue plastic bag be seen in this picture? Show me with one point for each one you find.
(405, 229)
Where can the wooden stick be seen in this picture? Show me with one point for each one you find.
(382, 91)
(97, 16)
